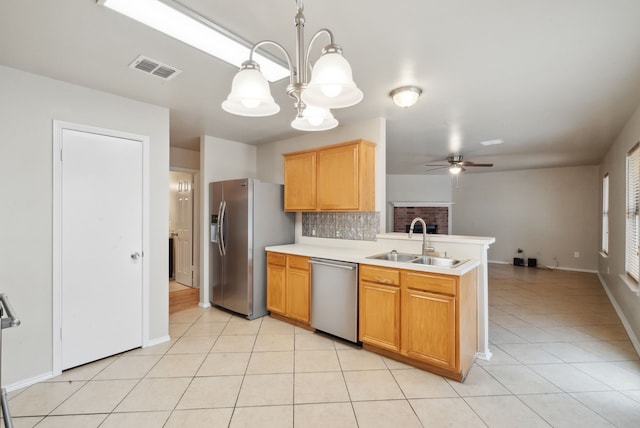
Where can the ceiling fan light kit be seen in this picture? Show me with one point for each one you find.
(331, 84)
(405, 96)
(456, 165)
(455, 169)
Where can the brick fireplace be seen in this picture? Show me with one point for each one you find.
(438, 215)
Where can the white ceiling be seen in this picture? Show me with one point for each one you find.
(556, 80)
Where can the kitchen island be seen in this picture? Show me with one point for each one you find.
(405, 292)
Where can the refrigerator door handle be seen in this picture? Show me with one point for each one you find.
(218, 233)
(222, 245)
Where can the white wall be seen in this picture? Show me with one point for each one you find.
(611, 268)
(547, 212)
(416, 188)
(219, 160)
(29, 105)
(184, 159)
(271, 162)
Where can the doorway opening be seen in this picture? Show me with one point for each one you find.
(183, 282)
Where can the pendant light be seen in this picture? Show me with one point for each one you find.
(331, 84)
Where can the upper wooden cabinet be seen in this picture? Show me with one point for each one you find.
(300, 182)
(340, 177)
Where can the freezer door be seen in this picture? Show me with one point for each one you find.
(216, 270)
(237, 230)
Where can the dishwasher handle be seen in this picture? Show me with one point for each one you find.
(330, 264)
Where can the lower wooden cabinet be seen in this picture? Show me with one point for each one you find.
(298, 289)
(380, 315)
(428, 320)
(289, 286)
(429, 327)
(276, 283)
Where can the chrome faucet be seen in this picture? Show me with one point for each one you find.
(425, 248)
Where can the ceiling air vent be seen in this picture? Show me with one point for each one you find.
(155, 68)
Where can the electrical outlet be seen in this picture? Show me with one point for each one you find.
(313, 232)
(576, 254)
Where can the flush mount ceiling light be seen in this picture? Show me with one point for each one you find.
(405, 96)
(331, 84)
(185, 25)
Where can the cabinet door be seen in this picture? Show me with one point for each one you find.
(300, 182)
(338, 178)
(298, 294)
(380, 315)
(428, 328)
(276, 289)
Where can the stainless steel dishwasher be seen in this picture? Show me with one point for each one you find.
(334, 298)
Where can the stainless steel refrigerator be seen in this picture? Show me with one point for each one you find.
(246, 216)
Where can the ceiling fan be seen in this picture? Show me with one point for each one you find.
(457, 164)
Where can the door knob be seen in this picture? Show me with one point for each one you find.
(135, 256)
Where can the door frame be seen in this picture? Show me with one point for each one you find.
(196, 220)
(58, 128)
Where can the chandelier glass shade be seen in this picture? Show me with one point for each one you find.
(315, 119)
(250, 94)
(331, 84)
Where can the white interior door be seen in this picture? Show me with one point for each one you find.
(184, 234)
(101, 238)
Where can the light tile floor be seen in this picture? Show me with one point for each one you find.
(561, 359)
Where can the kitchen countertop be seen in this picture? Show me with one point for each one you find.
(359, 255)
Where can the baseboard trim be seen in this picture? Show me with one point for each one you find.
(156, 341)
(500, 262)
(484, 355)
(28, 382)
(625, 323)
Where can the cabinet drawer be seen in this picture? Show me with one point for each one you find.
(442, 284)
(379, 275)
(276, 259)
(298, 262)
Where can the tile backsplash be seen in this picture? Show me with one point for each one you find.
(357, 226)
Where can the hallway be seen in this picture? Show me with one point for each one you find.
(561, 359)
(182, 297)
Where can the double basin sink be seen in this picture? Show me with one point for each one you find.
(394, 256)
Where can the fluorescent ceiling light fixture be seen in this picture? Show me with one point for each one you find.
(179, 22)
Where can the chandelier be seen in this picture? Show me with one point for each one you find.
(331, 84)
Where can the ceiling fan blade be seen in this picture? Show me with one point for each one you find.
(436, 164)
(437, 167)
(465, 163)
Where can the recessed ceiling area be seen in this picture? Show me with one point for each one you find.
(555, 81)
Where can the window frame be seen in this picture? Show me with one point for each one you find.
(605, 214)
(632, 214)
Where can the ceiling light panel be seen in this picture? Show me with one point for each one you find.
(182, 24)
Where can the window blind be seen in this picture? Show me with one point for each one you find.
(632, 262)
